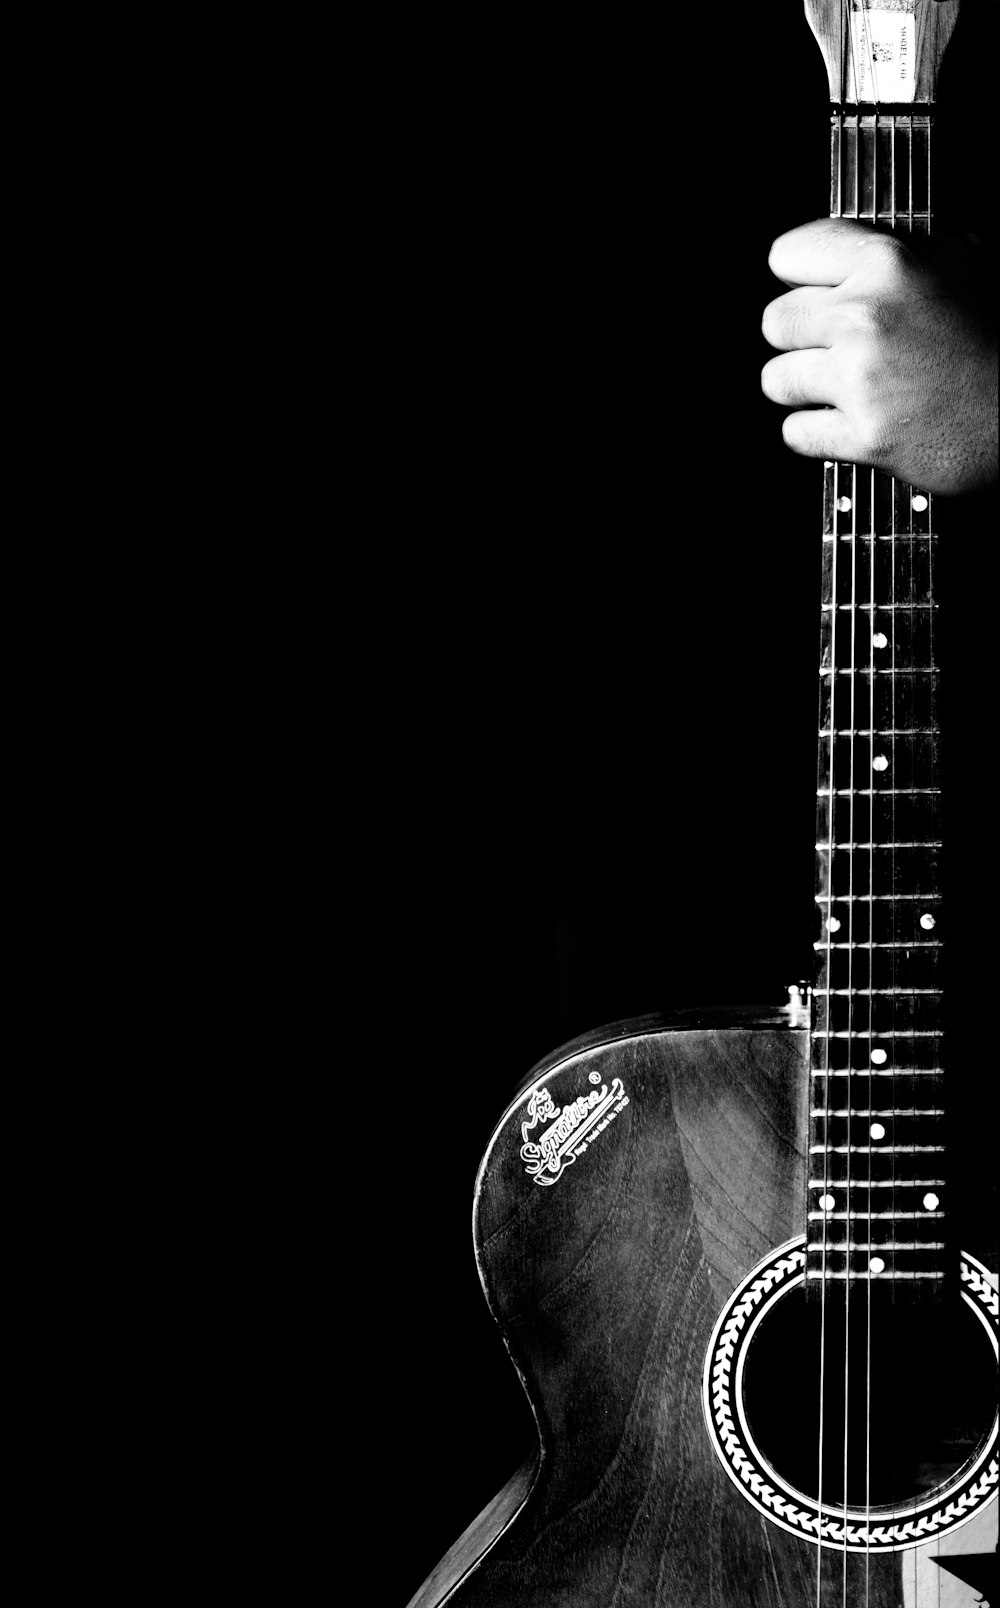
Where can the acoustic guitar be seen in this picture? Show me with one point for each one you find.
(736, 1263)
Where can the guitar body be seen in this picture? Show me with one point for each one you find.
(608, 1251)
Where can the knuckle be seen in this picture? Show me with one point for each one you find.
(861, 359)
(892, 258)
(871, 444)
(863, 377)
(866, 319)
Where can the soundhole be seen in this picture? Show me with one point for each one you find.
(906, 1397)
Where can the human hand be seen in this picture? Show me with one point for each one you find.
(898, 343)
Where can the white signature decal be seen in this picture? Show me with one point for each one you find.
(572, 1128)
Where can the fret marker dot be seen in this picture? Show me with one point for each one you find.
(876, 1265)
(877, 1131)
(919, 502)
(931, 1203)
(927, 921)
(827, 1202)
(880, 763)
(833, 925)
(879, 1057)
(880, 640)
(843, 505)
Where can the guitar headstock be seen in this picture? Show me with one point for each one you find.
(882, 51)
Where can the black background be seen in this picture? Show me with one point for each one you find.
(588, 774)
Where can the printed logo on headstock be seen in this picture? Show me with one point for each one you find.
(883, 49)
(571, 1129)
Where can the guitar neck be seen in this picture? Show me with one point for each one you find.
(878, 1192)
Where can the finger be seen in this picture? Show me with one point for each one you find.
(823, 253)
(796, 379)
(802, 317)
(821, 433)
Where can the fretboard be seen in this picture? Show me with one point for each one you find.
(878, 1191)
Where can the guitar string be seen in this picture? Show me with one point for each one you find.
(931, 710)
(831, 803)
(871, 169)
(851, 840)
(894, 684)
(892, 633)
(940, 1049)
(851, 943)
(831, 815)
(897, 565)
(831, 806)
(872, 550)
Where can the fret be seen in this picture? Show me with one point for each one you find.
(868, 898)
(891, 1111)
(877, 1217)
(913, 767)
(867, 731)
(822, 943)
(885, 1245)
(865, 673)
(819, 1273)
(865, 993)
(847, 1175)
(878, 792)
(844, 848)
(908, 1033)
(877, 1072)
(886, 1183)
(874, 1150)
